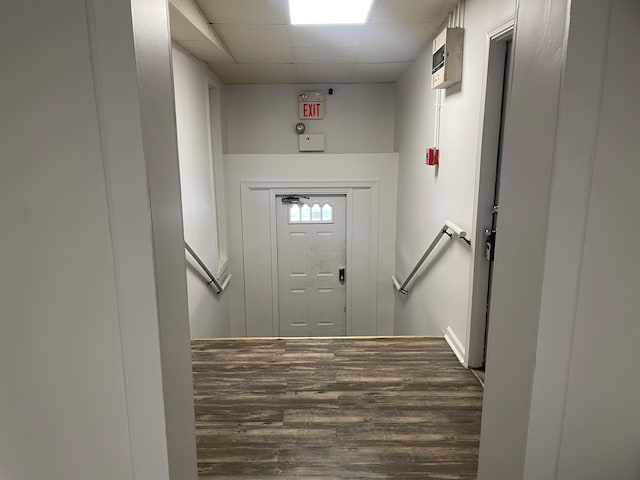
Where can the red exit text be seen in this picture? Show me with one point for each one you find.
(311, 110)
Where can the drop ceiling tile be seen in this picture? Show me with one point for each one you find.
(253, 73)
(410, 11)
(324, 72)
(383, 43)
(324, 55)
(275, 12)
(256, 43)
(379, 72)
(181, 28)
(205, 51)
(326, 35)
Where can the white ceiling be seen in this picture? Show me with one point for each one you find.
(262, 47)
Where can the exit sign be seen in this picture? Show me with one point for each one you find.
(310, 105)
(310, 111)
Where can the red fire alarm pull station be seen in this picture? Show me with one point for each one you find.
(433, 156)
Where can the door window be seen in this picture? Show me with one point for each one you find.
(306, 213)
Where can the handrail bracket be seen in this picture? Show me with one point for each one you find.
(218, 287)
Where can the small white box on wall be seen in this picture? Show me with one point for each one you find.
(311, 142)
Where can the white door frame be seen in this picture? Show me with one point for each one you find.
(490, 121)
(359, 309)
(275, 282)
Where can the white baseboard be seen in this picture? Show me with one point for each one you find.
(455, 345)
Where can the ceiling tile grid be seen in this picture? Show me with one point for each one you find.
(265, 48)
(329, 35)
(410, 11)
(394, 42)
(324, 55)
(254, 73)
(324, 73)
(379, 72)
(247, 12)
(256, 43)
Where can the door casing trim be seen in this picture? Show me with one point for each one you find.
(485, 180)
(324, 187)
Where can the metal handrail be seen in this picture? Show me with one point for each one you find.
(449, 228)
(219, 287)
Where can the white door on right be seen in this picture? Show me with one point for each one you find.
(312, 265)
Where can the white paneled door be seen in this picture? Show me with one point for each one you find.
(312, 265)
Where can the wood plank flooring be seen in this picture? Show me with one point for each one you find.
(341, 408)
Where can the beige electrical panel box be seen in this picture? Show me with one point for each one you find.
(446, 66)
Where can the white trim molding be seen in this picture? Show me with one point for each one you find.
(258, 200)
(118, 106)
(456, 345)
(488, 141)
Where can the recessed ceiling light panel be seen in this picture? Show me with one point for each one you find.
(329, 12)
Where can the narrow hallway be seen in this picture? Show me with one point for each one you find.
(334, 408)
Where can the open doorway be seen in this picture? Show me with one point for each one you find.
(256, 298)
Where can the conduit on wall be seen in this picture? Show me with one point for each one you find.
(455, 19)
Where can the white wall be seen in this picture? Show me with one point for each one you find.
(63, 412)
(382, 167)
(601, 430)
(80, 357)
(358, 118)
(579, 111)
(527, 161)
(208, 312)
(263, 145)
(584, 421)
(428, 196)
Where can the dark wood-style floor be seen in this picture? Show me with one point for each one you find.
(343, 408)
